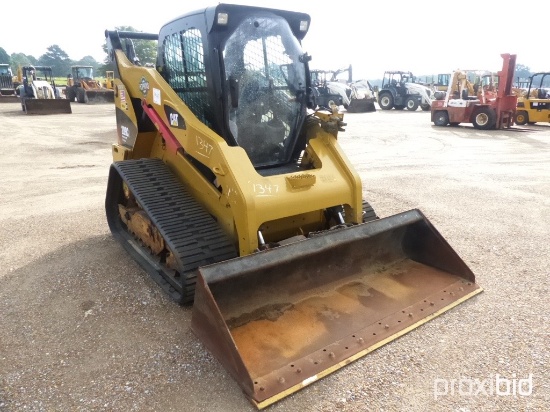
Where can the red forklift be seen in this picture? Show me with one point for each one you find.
(486, 109)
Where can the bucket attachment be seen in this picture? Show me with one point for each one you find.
(100, 96)
(361, 106)
(9, 98)
(283, 318)
(47, 106)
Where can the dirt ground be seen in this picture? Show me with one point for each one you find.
(83, 328)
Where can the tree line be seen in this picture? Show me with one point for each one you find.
(146, 51)
(60, 62)
(55, 57)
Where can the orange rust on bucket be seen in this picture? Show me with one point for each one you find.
(281, 319)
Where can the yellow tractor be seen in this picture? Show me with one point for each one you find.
(232, 192)
(82, 87)
(109, 82)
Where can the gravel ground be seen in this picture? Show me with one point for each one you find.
(83, 328)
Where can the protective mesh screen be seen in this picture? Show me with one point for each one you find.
(185, 72)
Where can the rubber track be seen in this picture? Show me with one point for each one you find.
(368, 212)
(190, 232)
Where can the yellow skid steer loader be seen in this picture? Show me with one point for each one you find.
(233, 193)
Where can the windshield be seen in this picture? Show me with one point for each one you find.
(407, 78)
(84, 73)
(266, 87)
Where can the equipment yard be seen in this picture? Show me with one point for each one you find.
(85, 328)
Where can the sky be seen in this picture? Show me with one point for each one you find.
(421, 36)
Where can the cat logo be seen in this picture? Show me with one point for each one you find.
(174, 118)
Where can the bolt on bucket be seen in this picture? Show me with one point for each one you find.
(100, 96)
(47, 106)
(361, 106)
(9, 98)
(281, 319)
